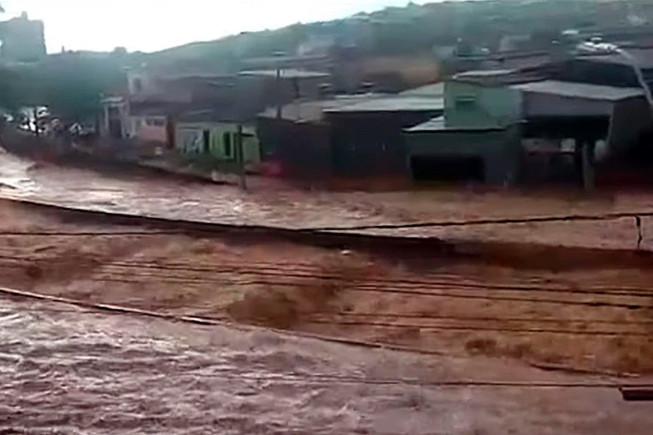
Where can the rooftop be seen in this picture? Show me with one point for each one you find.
(399, 103)
(643, 56)
(313, 110)
(432, 90)
(579, 90)
(495, 77)
(286, 73)
(223, 114)
(438, 124)
(484, 73)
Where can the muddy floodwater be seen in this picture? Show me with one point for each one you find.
(484, 329)
(68, 371)
(276, 204)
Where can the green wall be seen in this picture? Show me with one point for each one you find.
(222, 141)
(473, 105)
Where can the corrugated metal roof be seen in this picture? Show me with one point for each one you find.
(499, 77)
(484, 73)
(392, 104)
(579, 90)
(313, 110)
(643, 56)
(432, 90)
(286, 73)
(439, 124)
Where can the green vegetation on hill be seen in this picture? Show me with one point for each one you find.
(416, 29)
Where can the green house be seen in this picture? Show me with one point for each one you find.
(214, 143)
(478, 138)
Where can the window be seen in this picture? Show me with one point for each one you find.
(226, 144)
(465, 102)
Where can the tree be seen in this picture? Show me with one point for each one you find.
(70, 85)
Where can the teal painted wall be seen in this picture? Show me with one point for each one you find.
(472, 105)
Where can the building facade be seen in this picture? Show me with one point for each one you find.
(477, 138)
(23, 40)
(215, 142)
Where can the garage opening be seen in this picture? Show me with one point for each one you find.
(448, 168)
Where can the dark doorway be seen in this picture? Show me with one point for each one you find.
(206, 141)
(115, 123)
(448, 168)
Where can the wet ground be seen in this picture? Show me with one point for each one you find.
(70, 371)
(271, 203)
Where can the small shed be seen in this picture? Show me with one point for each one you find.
(447, 153)
(367, 137)
(598, 120)
(624, 111)
(298, 138)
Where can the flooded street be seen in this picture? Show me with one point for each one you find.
(272, 203)
(67, 371)
(71, 370)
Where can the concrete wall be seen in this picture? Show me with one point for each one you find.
(500, 150)
(471, 105)
(149, 128)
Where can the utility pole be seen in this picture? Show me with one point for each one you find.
(36, 122)
(240, 157)
(279, 91)
(278, 88)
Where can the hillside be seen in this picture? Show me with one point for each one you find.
(465, 25)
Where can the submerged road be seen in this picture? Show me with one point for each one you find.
(66, 370)
(272, 204)
(69, 370)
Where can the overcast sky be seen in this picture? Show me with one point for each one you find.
(150, 25)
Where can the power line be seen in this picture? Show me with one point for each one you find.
(502, 221)
(318, 273)
(420, 316)
(329, 379)
(480, 328)
(88, 233)
(396, 288)
(345, 230)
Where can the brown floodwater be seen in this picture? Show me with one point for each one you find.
(66, 370)
(272, 203)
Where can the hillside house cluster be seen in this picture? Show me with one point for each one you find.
(555, 118)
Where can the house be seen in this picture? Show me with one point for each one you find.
(114, 118)
(154, 100)
(297, 141)
(212, 138)
(367, 137)
(478, 136)
(495, 120)
(599, 121)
